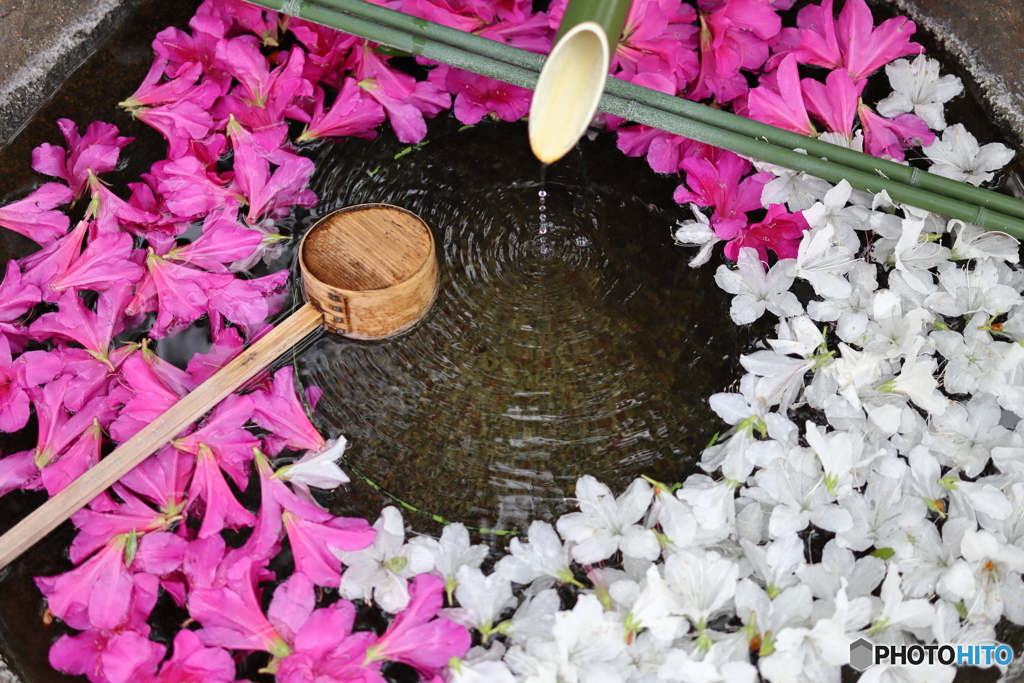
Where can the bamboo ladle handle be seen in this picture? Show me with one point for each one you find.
(158, 432)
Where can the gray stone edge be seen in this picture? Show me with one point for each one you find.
(34, 84)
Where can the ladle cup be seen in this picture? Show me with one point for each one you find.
(368, 272)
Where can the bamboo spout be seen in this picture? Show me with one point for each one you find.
(568, 90)
(572, 79)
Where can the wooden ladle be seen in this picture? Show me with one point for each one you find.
(368, 272)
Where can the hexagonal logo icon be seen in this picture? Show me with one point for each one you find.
(862, 654)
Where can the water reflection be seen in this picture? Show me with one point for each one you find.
(590, 348)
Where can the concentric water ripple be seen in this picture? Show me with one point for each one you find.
(590, 348)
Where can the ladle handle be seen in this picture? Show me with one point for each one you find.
(67, 502)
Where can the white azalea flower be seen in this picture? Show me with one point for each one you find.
(588, 645)
(918, 88)
(997, 566)
(916, 380)
(833, 210)
(837, 566)
(964, 291)
(380, 572)
(606, 524)
(704, 583)
(534, 618)
(967, 435)
(451, 552)
(796, 189)
(657, 608)
(480, 665)
(756, 290)
(884, 508)
(814, 655)
(318, 469)
(957, 155)
(696, 233)
(850, 312)
(764, 616)
(842, 456)
(896, 614)
(795, 488)
(713, 504)
(822, 262)
(682, 667)
(481, 600)
(974, 242)
(543, 555)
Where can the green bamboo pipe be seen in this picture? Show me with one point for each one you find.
(912, 176)
(641, 113)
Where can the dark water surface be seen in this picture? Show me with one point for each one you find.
(586, 345)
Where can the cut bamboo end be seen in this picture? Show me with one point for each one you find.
(370, 269)
(569, 87)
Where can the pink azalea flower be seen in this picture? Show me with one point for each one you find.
(246, 17)
(734, 36)
(166, 225)
(780, 232)
(353, 113)
(271, 195)
(313, 533)
(96, 151)
(104, 656)
(17, 471)
(834, 102)
(79, 458)
(231, 615)
(58, 429)
(17, 376)
(405, 100)
(245, 302)
(326, 650)
(98, 528)
(183, 120)
(191, 662)
(660, 37)
(280, 413)
(224, 240)
(416, 638)
(178, 292)
(328, 52)
(16, 296)
(109, 259)
(264, 97)
(890, 137)
(182, 49)
(852, 41)
(41, 268)
(477, 96)
(270, 142)
(123, 654)
(716, 183)
(163, 480)
(784, 107)
(95, 594)
(220, 507)
(14, 403)
(112, 213)
(155, 90)
(188, 188)
(35, 216)
(151, 386)
(94, 331)
(532, 34)
(225, 435)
